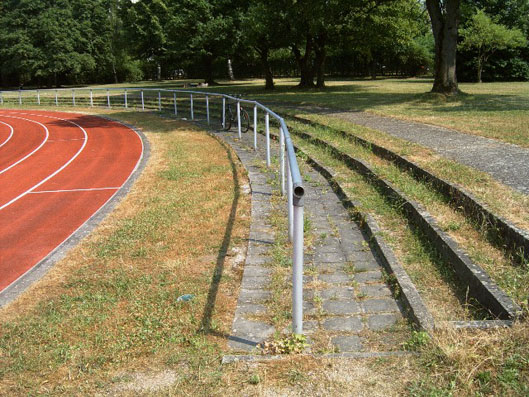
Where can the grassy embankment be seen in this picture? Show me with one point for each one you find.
(463, 363)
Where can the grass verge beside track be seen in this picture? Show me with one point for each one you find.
(109, 311)
(105, 321)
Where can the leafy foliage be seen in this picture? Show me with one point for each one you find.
(55, 42)
(486, 37)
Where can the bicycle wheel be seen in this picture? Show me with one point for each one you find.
(245, 121)
(227, 118)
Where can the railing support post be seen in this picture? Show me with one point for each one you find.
(255, 127)
(20, 97)
(191, 109)
(108, 98)
(297, 272)
(239, 119)
(56, 99)
(91, 98)
(159, 101)
(267, 129)
(282, 160)
(126, 99)
(223, 113)
(38, 97)
(175, 108)
(142, 101)
(290, 204)
(207, 108)
(73, 97)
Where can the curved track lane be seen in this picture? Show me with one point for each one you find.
(56, 171)
(6, 133)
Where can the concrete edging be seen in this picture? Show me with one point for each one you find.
(405, 290)
(505, 232)
(481, 286)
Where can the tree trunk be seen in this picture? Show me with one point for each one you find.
(269, 77)
(114, 72)
(230, 70)
(373, 69)
(319, 62)
(445, 22)
(304, 62)
(208, 65)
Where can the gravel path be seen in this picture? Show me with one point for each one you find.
(506, 162)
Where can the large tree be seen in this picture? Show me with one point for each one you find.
(204, 31)
(445, 15)
(264, 28)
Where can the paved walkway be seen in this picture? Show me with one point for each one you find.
(506, 162)
(347, 305)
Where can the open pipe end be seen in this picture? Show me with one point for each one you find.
(299, 193)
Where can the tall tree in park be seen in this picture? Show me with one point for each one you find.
(445, 15)
(486, 37)
(312, 24)
(52, 42)
(146, 25)
(263, 26)
(44, 40)
(205, 30)
(384, 30)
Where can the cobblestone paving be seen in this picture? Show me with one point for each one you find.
(346, 301)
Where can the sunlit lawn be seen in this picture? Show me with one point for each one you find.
(495, 110)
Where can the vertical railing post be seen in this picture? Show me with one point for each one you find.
(175, 106)
(297, 271)
(108, 98)
(126, 99)
(191, 109)
(91, 98)
(38, 97)
(267, 130)
(1, 98)
(207, 108)
(223, 113)
(56, 99)
(282, 160)
(73, 97)
(290, 205)
(255, 127)
(239, 118)
(20, 97)
(159, 101)
(142, 101)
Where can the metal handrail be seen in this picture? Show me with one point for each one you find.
(288, 164)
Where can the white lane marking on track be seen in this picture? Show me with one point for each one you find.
(58, 170)
(100, 208)
(34, 151)
(75, 190)
(10, 135)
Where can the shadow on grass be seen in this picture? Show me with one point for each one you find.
(353, 96)
(205, 325)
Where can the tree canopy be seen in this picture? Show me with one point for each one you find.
(55, 42)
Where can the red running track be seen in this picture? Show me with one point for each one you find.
(56, 171)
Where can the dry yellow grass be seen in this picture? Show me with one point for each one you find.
(110, 306)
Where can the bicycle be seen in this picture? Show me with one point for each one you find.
(231, 117)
